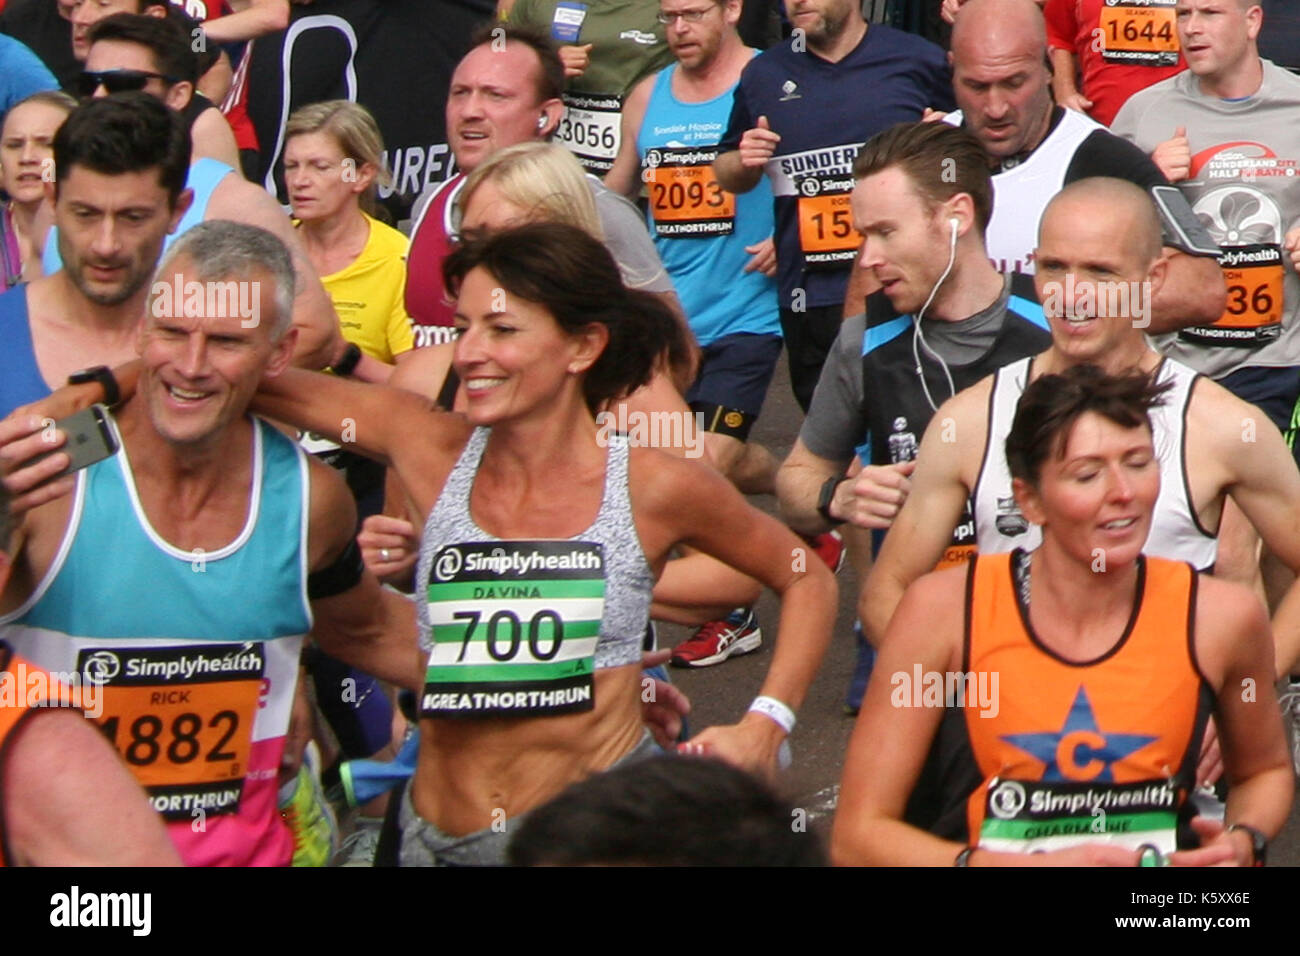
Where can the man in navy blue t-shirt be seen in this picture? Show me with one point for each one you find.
(801, 112)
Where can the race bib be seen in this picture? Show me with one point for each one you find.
(685, 197)
(182, 719)
(566, 25)
(1139, 34)
(1254, 276)
(826, 235)
(515, 628)
(1022, 816)
(591, 128)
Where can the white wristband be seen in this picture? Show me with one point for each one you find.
(775, 710)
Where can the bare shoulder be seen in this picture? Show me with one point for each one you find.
(237, 199)
(661, 481)
(1233, 431)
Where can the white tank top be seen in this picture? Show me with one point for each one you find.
(1176, 531)
(1020, 194)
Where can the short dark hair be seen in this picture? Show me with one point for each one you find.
(161, 36)
(124, 133)
(666, 811)
(1052, 404)
(550, 75)
(940, 160)
(573, 276)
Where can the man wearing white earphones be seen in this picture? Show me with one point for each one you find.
(943, 318)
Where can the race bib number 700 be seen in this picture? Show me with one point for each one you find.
(515, 628)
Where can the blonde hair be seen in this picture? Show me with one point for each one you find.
(543, 178)
(353, 128)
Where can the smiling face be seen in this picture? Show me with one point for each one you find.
(1098, 495)
(904, 239)
(1217, 36)
(493, 102)
(26, 152)
(111, 230)
(199, 371)
(512, 357)
(1088, 264)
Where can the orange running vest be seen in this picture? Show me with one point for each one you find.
(1073, 753)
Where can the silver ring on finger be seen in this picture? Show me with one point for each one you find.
(383, 554)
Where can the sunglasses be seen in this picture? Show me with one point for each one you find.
(117, 81)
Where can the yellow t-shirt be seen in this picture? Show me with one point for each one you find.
(369, 295)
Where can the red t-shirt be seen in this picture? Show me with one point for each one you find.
(235, 105)
(1121, 47)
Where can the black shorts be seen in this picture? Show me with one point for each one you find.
(735, 372)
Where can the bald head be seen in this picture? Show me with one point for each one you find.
(1118, 207)
(1012, 24)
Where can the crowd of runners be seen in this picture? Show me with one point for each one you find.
(336, 532)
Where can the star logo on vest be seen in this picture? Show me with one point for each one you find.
(788, 91)
(1079, 751)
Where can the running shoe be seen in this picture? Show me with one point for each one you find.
(861, 672)
(1290, 701)
(309, 816)
(715, 641)
(829, 546)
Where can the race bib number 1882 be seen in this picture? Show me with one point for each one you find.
(182, 719)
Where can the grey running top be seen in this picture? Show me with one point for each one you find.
(628, 580)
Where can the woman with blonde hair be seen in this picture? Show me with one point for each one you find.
(26, 162)
(333, 163)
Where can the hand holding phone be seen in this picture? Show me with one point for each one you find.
(25, 449)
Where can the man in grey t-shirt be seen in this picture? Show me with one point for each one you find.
(1228, 132)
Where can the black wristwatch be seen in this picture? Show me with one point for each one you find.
(348, 363)
(104, 376)
(1258, 842)
(827, 495)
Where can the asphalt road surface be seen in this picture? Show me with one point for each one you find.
(722, 693)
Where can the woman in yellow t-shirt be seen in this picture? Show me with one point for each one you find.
(332, 162)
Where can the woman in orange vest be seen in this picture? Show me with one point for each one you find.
(1060, 694)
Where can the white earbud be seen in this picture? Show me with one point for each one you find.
(956, 224)
(541, 125)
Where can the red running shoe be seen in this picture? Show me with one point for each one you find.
(715, 641)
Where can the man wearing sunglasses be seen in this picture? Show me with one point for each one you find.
(129, 52)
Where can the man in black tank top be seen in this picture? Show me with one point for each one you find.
(943, 319)
(155, 55)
